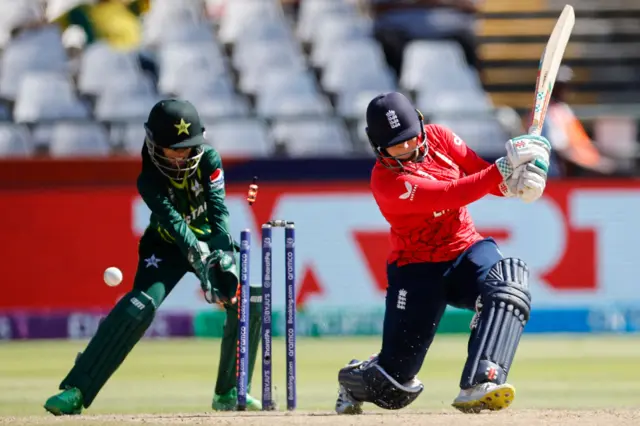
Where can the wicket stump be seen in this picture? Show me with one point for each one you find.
(267, 315)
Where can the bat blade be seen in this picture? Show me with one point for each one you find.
(548, 67)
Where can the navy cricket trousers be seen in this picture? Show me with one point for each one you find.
(417, 295)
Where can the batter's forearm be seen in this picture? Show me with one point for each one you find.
(465, 191)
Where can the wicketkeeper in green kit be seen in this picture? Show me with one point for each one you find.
(182, 183)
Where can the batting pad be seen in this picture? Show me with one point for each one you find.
(116, 336)
(506, 304)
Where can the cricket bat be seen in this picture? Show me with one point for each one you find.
(549, 66)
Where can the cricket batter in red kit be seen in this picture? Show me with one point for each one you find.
(423, 179)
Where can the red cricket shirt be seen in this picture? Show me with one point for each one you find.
(425, 204)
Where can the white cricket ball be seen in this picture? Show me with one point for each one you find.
(112, 276)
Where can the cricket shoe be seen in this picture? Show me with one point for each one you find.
(485, 396)
(229, 402)
(345, 404)
(66, 403)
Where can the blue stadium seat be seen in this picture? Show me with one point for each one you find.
(221, 106)
(288, 104)
(482, 134)
(100, 62)
(47, 96)
(371, 70)
(437, 65)
(180, 61)
(124, 107)
(31, 51)
(242, 15)
(312, 13)
(240, 138)
(454, 102)
(313, 137)
(15, 140)
(335, 30)
(79, 139)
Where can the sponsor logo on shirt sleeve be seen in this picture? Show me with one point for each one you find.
(217, 179)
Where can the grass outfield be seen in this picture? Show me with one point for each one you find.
(177, 376)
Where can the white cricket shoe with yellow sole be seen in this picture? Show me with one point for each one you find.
(347, 405)
(485, 396)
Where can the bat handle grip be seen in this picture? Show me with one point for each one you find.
(535, 130)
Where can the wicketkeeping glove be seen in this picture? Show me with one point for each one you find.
(222, 272)
(197, 258)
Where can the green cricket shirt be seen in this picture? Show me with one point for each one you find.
(191, 210)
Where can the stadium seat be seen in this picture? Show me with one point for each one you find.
(352, 104)
(335, 30)
(241, 138)
(240, 15)
(31, 51)
(99, 62)
(209, 53)
(311, 14)
(428, 64)
(47, 96)
(221, 106)
(15, 141)
(313, 137)
(454, 101)
(41, 135)
(193, 33)
(170, 21)
(266, 53)
(253, 80)
(450, 79)
(179, 61)
(204, 84)
(338, 81)
(79, 139)
(17, 12)
(131, 137)
(482, 134)
(6, 113)
(287, 104)
(124, 106)
(371, 70)
(138, 83)
(357, 90)
(288, 81)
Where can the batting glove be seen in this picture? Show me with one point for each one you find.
(522, 150)
(528, 182)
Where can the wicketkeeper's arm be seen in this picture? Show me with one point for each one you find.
(217, 211)
(221, 265)
(213, 182)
